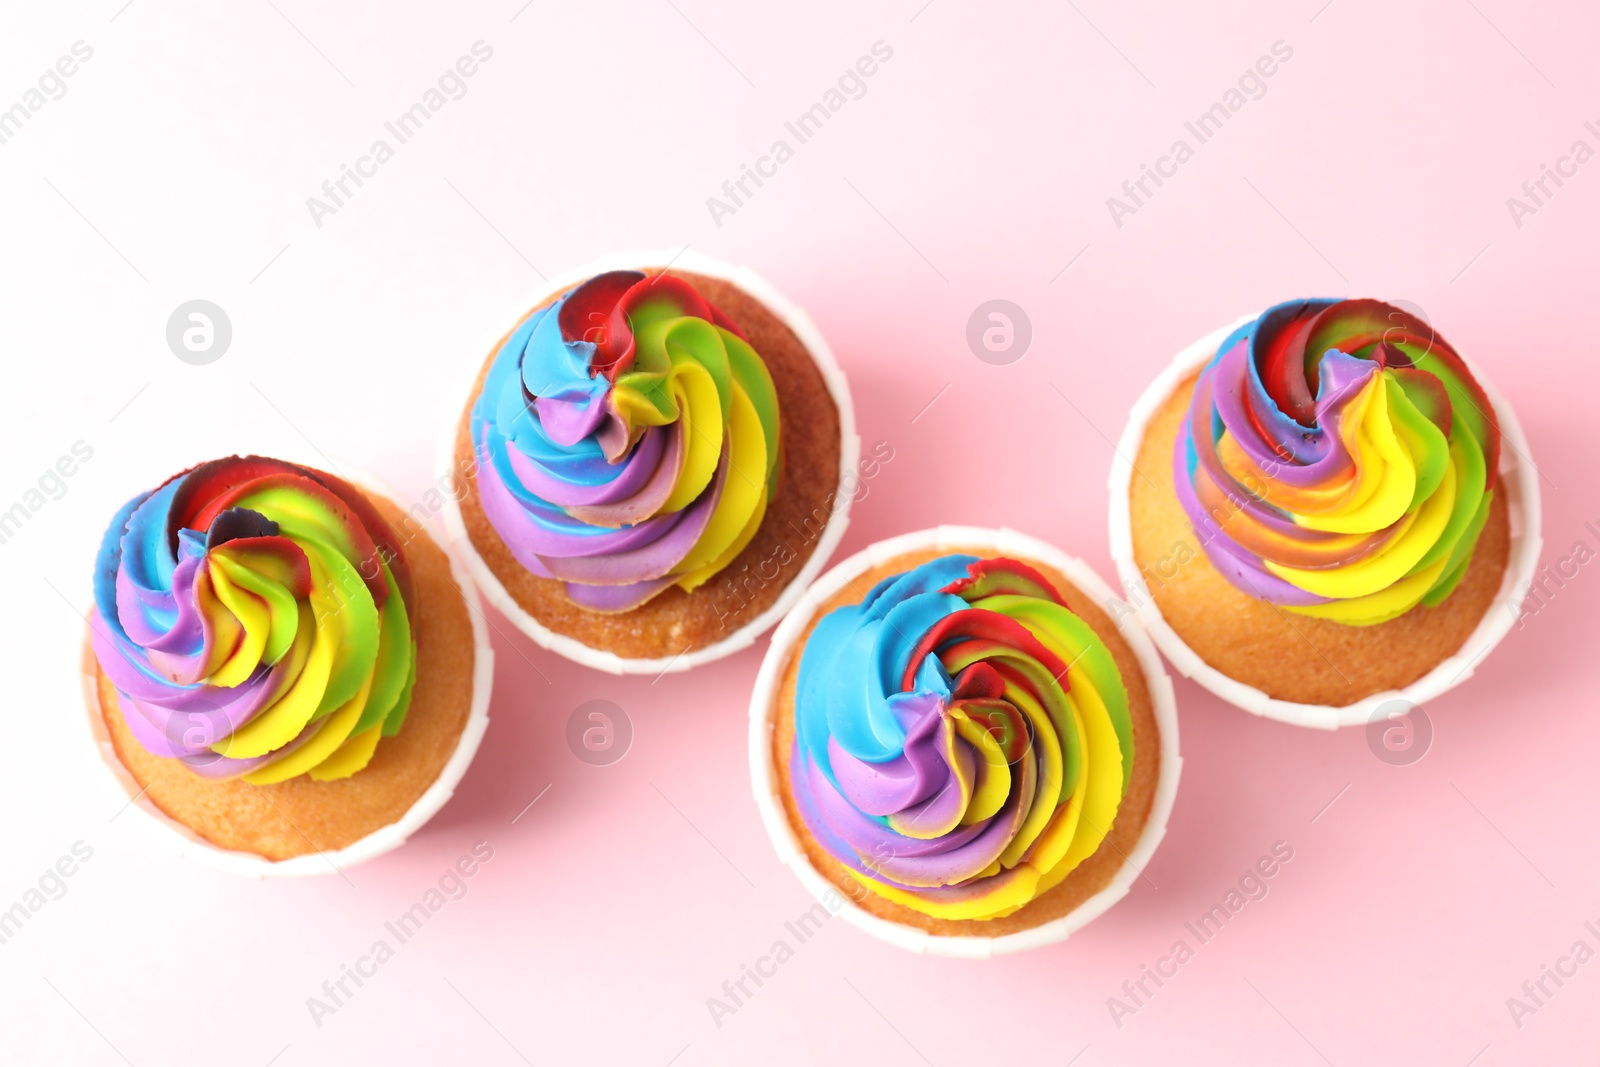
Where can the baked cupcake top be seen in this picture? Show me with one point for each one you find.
(962, 738)
(255, 618)
(627, 440)
(1338, 460)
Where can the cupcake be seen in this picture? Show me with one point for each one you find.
(651, 465)
(1319, 509)
(962, 743)
(280, 665)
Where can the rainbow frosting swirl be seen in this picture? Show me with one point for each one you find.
(962, 739)
(627, 440)
(255, 618)
(1346, 462)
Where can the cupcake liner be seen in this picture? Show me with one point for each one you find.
(127, 792)
(849, 454)
(1518, 480)
(764, 777)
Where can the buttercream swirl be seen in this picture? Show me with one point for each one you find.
(627, 440)
(1338, 460)
(255, 618)
(962, 738)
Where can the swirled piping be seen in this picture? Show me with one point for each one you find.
(256, 619)
(627, 440)
(1338, 460)
(962, 738)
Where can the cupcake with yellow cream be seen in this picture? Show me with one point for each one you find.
(651, 464)
(281, 664)
(957, 738)
(1321, 512)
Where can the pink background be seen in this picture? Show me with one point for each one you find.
(976, 166)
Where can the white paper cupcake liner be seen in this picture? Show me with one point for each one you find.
(1519, 482)
(839, 518)
(126, 791)
(764, 776)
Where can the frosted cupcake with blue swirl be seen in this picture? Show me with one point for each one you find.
(962, 743)
(648, 461)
